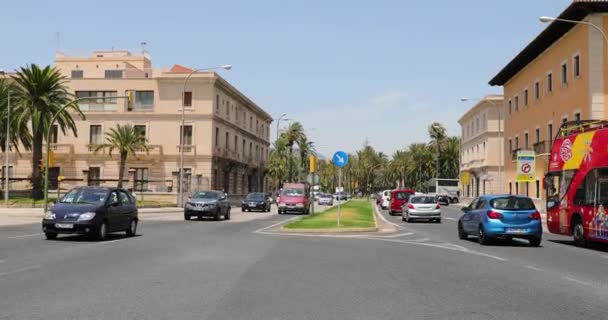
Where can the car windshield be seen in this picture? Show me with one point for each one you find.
(512, 203)
(402, 195)
(423, 200)
(209, 195)
(255, 196)
(292, 192)
(85, 196)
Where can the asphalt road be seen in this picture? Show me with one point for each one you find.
(242, 269)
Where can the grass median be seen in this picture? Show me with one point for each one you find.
(355, 214)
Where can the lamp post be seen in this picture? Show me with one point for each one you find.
(6, 147)
(437, 159)
(546, 19)
(281, 118)
(181, 130)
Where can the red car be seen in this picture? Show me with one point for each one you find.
(398, 199)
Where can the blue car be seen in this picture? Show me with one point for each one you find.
(501, 217)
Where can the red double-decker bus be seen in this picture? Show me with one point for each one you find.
(576, 182)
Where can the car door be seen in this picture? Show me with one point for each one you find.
(127, 209)
(479, 212)
(222, 202)
(468, 215)
(113, 215)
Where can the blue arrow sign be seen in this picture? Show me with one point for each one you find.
(340, 159)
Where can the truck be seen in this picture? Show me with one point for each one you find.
(295, 197)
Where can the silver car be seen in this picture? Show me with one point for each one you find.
(212, 204)
(326, 199)
(422, 207)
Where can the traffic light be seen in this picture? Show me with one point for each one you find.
(312, 164)
(51, 159)
(41, 165)
(130, 100)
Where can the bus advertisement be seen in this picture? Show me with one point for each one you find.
(445, 187)
(576, 183)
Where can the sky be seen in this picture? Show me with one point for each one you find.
(350, 71)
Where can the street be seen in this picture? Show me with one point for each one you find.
(238, 269)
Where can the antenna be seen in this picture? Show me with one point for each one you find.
(143, 46)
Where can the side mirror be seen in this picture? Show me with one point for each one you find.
(465, 209)
(114, 204)
(55, 201)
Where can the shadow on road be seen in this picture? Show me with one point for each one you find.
(85, 238)
(595, 246)
(516, 243)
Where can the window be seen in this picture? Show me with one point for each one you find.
(251, 123)
(227, 141)
(516, 103)
(140, 129)
(54, 133)
(526, 97)
(186, 139)
(95, 135)
(217, 103)
(125, 198)
(577, 66)
(510, 145)
(141, 179)
(564, 73)
(510, 105)
(99, 100)
(143, 100)
(236, 143)
(577, 116)
(537, 90)
(477, 125)
(94, 176)
(537, 189)
(483, 121)
(188, 99)
(550, 83)
(516, 187)
(526, 140)
(537, 133)
(250, 149)
(217, 137)
(113, 74)
(550, 134)
(510, 188)
(468, 131)
(77, 74)
(228, 110)
(243, 149)
(257, 152)
(516, 142)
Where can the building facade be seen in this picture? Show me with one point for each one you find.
(225, 136)
(560, 76)
(481, 146)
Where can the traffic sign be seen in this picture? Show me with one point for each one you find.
(313, 179)
(525, 168)
(340, 159)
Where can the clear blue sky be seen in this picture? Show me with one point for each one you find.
(348, 70)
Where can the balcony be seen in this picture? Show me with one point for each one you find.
(98, 107)
(187, 148)
(540, 147)
(514, 154)
(61, 148)
(93, 146)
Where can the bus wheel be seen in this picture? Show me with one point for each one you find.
(578, 232)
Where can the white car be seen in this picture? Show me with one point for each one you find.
(422, 207)
(386, 198)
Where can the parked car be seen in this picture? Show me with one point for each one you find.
(422, 207)
(326, 199)
(501, 217)
(443, 200)
(349, 196)
(295, 197)
(256, 201)
(398, 199)
(94, 211)
(386, 199)
(340, 196)
(207, 204)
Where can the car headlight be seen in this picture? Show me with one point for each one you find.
(49, 215)
(282, 204)
(86, 216)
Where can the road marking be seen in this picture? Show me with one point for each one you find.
(398, 235)
(575, 280)
(451, 219)
(534, 268)
(384, 219)
(2, 274)
(262, 230)
(25, 236)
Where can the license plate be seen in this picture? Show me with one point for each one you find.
(516, 230)
(64, 225)
(252, 204)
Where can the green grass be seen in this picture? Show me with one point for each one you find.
(354, 214)
(26, 201)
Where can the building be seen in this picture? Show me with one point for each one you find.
(482, 143)
(560, 76)
(226, 135)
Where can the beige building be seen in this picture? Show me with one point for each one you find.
(226, 135)
(481, 147)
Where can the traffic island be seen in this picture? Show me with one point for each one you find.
(355, 216)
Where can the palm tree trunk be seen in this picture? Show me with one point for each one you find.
(290, 162)
(36, 173)
(121, 170)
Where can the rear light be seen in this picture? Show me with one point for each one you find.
(410, 206)
(535, 216)
(495, 215)
(438, 206)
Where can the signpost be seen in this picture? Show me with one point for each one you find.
(312, 179)
(526, 160)
(340, 159)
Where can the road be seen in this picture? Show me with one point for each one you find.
(240, 269)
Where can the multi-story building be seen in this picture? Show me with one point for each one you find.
(225, 137)
(481, 146)
(560, 76)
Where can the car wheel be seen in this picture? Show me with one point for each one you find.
(227, 215)
(461, 234)
(482, 238)
(217, 215)
(132, 231)
(186, 216)
(243, 210)
(454, 200)
(438, 220)
(102, 231)
(403, 217)
(535, 242)
(578, 232)
(390, 212)
(50, 235)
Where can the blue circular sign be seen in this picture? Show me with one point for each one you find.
(340, 159)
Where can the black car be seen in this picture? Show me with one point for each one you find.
(256, 201)
(340, 196)
(207, 204)
(443, 200)
(94, 211)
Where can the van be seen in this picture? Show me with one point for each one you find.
(398, 199)
(295, 197)
(386, 198)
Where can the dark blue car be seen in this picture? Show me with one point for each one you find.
(94, 211)
(501, 217)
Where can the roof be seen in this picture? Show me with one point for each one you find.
(577, 11)
(493, 100)
(180, 69)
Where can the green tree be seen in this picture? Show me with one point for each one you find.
(39, 95)
(306, 148)
(293, 135)
(450, 158)
(277, 169)
(18, 134)
(437, 133)
(127, 141)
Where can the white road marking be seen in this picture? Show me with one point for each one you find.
(2, 274)
(398, 235)
(25, 236)
(262, 230)
(384, 219)
(576, 280)
(534, 268)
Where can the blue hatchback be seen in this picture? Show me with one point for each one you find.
(501, 217)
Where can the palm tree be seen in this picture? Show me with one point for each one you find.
(307, 148)
(18, 134)
(450, 158)
(437, 133)
(294, 134)
(422, 165)
(278, 162)
(39, 95)
(127, 141)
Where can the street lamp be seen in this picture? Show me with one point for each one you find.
(281, 118)
(6, 147)
(437, 160)
(180, 197)
(546, 19)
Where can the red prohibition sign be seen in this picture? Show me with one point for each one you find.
(525, 168)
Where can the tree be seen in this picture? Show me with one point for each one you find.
(307, 148)
(127, 141)
(18, 134)
(277, 169)
(39, 95)
(294, 134)
(450, 157)
(437, 133)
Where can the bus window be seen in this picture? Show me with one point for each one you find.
(602, 191)
(557, 184)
